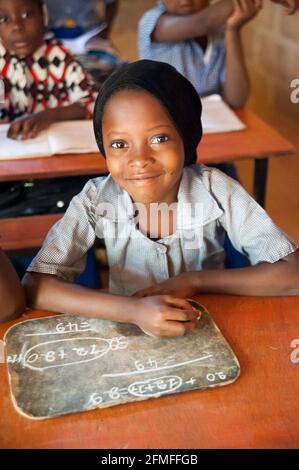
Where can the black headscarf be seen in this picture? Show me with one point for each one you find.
(165, 83)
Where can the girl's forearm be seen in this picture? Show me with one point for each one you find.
(47, 292)
(236, 85)
(181, 28)
(66, 113)
(280, 278)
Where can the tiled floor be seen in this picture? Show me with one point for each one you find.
(282, 200)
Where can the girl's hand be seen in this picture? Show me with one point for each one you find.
(244, 11)
(290, 6)
(182, 286)
(30, 126)
(165, 316)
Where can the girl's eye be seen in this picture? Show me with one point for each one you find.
(160, 139)
(3, 19)
(26, 14)
(118, 144)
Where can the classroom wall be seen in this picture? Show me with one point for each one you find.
(124, 33)
(272, 50)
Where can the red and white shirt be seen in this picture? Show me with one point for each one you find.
(50, 78)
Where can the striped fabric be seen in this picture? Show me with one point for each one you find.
(209, 205)
(204, 70)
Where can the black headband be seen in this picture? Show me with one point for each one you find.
(164, 82)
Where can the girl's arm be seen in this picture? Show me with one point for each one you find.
(161, 316)
(236, 84)
(30, 126)
(273, 279)
(280, 278)
(180, 28)
(12, 298)
(290, 6)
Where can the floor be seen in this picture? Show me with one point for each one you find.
(282, 199)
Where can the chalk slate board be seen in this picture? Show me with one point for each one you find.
(66, 363)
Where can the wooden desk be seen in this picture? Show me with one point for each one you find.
(261, 409)
(258, 141)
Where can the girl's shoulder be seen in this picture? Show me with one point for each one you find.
(212, 179)
(206, 174)
(152, 14)
(100, 189)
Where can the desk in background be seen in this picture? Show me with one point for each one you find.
(261, 409)
(258, 141)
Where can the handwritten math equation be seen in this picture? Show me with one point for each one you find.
(149, 388)
(63, 352)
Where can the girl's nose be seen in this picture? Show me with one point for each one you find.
(17, 24)
(140, 157)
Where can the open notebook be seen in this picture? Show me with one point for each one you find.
(218, 117)
(60, 138)
(78, 136)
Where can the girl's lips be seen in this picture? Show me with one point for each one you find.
(143, 177)
(20, 44)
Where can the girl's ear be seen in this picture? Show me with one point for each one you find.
(45, 14)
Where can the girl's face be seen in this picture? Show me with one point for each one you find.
(144, 151)
(185, 7)
(21, 26)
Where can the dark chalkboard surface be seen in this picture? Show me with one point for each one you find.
(64, 364)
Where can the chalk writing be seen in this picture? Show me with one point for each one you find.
(152, 365)
(213, 377)
(141, 370)
(65, 352)
(67, 363)
(66, 327)
(146, 388)
(155, 386)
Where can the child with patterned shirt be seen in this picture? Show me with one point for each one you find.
(202, 41)
(43, 82)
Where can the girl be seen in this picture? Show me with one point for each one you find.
(43, 83)
(163, 218)
(11, 292)
(203, 42)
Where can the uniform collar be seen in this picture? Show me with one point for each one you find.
(196, 205)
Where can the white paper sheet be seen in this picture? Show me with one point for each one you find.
(218, 117)
(60, 138)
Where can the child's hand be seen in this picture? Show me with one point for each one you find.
(290, 6)
(165, 316)
(30, 126)
(182, 286)
(244, 11)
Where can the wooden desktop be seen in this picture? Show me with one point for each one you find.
(259, 410)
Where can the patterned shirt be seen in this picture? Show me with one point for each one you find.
(210, 204)
(205, 70)
(50, 78)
